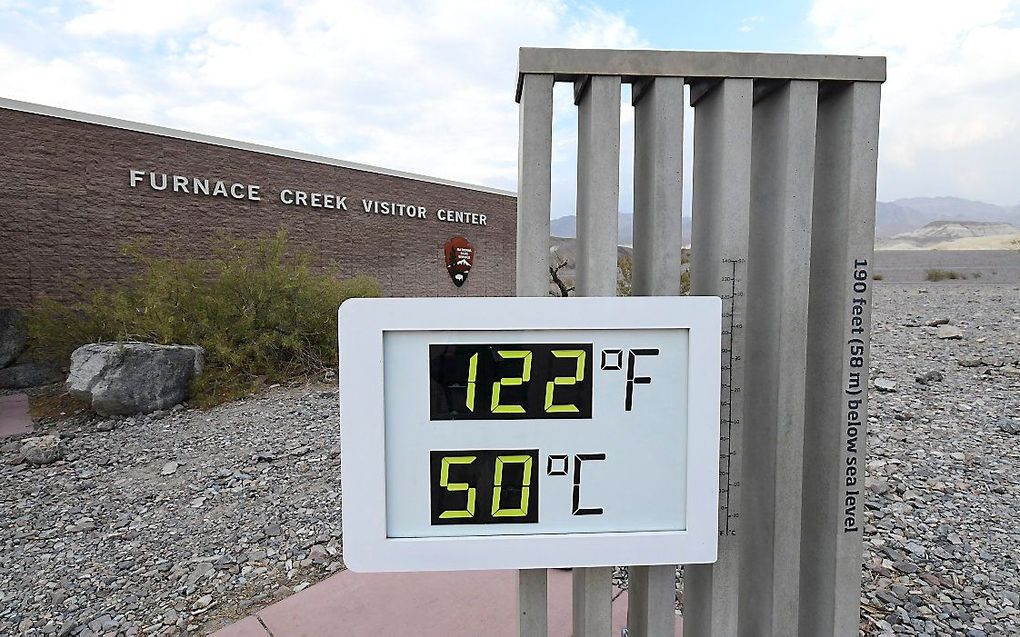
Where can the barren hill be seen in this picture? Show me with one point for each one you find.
(949, 235)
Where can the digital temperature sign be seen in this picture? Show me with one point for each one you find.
(510, 381)
(527, 432)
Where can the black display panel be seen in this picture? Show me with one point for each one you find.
(484, 486)
(510, 382)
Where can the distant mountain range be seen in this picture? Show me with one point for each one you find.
(566, 227)
(891, 218)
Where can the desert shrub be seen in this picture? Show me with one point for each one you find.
(260, 312)
(941, 275)
(625, 275)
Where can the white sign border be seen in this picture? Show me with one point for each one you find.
(361, 324)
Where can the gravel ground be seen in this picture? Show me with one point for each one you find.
(181, 522)
(941, 543)
(172, 523)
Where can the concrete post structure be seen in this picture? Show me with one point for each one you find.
(782, 168)
(839, 324)
(534, 184)
(721, 204)
(534, 191)
(785, 158)
(598, 209)
(658, 242)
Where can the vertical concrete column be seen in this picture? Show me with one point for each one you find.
(598, 183)
(658, 185)
(598, 201)
(593, 601)
(658, 239)
(722, 193)
(782, 181)
(532, 602)
(534, 192)
(839, 323)
(651, 601)
(534, 185)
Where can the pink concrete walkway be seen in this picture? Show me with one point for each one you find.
(14, 418)
(447, 604)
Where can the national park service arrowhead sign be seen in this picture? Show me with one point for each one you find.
(460, 256)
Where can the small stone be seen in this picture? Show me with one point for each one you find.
(949, 332)
(169, 468)
(202, 602)
(969, 362)
(106, 425)
(273, 530)
(283, 591)
(885, 385)
(938, 321)
(1009, 426)
(905, 567)
(318, 554)
(929, 377)
(876, 485)
(43, 450)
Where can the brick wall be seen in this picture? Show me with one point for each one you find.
(67, 207)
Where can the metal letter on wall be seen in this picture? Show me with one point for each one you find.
(785, 160)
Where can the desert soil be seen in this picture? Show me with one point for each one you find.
(180, 522)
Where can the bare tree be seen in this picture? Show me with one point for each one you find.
(554, 273)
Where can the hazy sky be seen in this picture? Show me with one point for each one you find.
(428, 87)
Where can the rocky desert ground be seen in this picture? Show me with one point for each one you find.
(179, 522)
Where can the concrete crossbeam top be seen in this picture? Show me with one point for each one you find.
(569, 65)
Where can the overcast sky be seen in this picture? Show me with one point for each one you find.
(428, 87)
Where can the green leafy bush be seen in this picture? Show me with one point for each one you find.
(260, 312)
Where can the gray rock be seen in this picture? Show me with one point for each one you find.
(106, 425)
(949, 332)
(929, 377)
(12, 335)
(938, 321)
(169, 469)
(884, 384)
(1009, 426)
(29, 375)
(132, 378)
(876, 485)
(43, 450)
(992, 361)
(970, 362)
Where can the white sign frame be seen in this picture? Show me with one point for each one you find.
(361, 325)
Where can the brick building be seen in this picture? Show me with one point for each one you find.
(74, 188)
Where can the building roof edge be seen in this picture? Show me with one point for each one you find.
(162, 131)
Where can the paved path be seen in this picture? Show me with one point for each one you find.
(14, 418)
(446, 604)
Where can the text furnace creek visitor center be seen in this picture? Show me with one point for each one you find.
(76, 188)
